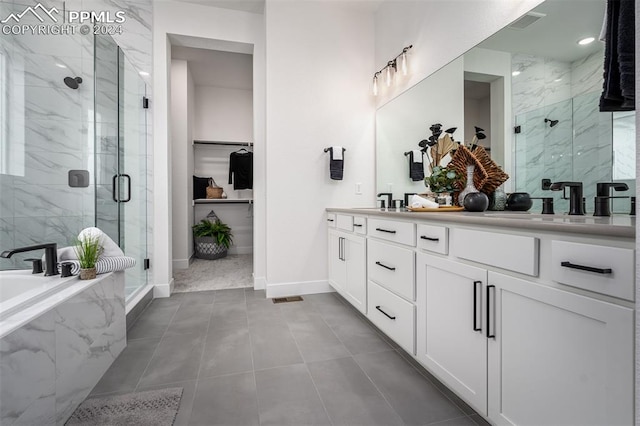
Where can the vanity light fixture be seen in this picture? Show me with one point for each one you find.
(585, 41)
(392, 68)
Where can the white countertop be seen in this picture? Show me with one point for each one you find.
(618, 225)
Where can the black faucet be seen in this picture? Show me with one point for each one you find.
(576, 206)
(50, 256)
(602, 205)
(389, 196)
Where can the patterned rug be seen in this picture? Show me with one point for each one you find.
(157, 408)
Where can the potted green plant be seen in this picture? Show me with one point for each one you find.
(442, 180)
(88, 249)
(212, 239)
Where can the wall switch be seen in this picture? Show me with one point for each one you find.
(358, 188)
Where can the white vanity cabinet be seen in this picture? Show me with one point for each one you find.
(557, 358)
(347, 267)
(451, 326)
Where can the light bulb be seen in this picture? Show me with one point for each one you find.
(404, 63)
(388, 76)
(375, 85)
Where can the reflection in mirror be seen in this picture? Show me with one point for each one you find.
(535, 91)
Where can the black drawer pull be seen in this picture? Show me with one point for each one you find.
(429, 238)
(329, 220)
(475, 305)
(385, 266)
(357, 225)
(386, 314)
(491, 333)
(586, 268)
(385, 230)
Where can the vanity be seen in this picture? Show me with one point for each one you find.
(528, 318)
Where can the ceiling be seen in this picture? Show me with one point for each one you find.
(217, 68)
(556, 34)
(252, 6)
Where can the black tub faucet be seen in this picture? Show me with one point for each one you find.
(602, 203)
(50, 256)
(576, 206)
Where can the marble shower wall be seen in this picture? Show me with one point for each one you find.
(49, 126)
(579, 147)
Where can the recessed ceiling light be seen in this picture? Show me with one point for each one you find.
(515, 73)
(144, 73)
(586, 41)
(61, 65)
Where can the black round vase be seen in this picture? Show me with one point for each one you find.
(519, 202)
(476, 202)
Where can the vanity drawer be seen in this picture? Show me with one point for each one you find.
(606, 270)
(331, 220)
(344, 222)
(398, 232)
(360, 225)
(393, 315)
(392, 267)
(517, 253)
(433, 238)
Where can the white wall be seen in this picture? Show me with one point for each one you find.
(203, 23)
(224, 114)
(440, 31)
(319, 55)
(180, 158)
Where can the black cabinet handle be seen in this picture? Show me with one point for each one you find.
(586, 268)
(385, 266)
(329, 220)
(385, 230)
(475, 305)
(423, 237)
(490, 335)
(357, 225)
(386, 314)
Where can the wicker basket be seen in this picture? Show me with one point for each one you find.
(208, 248)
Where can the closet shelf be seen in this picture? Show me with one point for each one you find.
(200, 142)
(223, 201)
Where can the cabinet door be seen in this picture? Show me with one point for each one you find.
(557, 358)
(356, 282)
(337, 262)
(451, 328)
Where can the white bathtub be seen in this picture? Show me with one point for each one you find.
(22, 289)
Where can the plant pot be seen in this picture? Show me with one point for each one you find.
(476, 202)
(519, 202)
(87, 274)
(208, 248)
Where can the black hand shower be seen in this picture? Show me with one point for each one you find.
(551, 122)
(73, 82)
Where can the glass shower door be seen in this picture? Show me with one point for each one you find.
(121, 157)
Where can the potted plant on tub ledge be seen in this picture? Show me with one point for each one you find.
(88, 249)
(212, 239)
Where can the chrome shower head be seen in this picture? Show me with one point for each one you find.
(551, 122)
(73, 82)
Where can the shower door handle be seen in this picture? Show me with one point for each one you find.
(114, 185)
(126, 200)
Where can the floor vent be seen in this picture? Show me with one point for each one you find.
(287, 299)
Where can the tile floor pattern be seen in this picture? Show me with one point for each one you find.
(233, 271)
(243, 360)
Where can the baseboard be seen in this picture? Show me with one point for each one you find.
(259, 283)
(163, 290)
(181, 263)
(298, 288)
(241, 250)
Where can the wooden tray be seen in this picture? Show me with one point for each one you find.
(439, 209)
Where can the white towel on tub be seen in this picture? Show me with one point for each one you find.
(104, 264)
(110, 248)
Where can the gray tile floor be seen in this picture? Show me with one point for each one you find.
(243, 360)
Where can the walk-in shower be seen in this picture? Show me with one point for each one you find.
(70, 159)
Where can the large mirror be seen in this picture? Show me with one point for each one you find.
(535, 91)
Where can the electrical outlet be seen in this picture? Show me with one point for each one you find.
(358, 188)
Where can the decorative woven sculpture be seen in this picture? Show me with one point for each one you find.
(459, 161)
(495, 175)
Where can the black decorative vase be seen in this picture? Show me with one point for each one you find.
(519, 202)
(476, 202)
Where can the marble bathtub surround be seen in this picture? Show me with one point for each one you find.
(53, 353)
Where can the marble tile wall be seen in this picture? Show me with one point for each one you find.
(49, 366)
